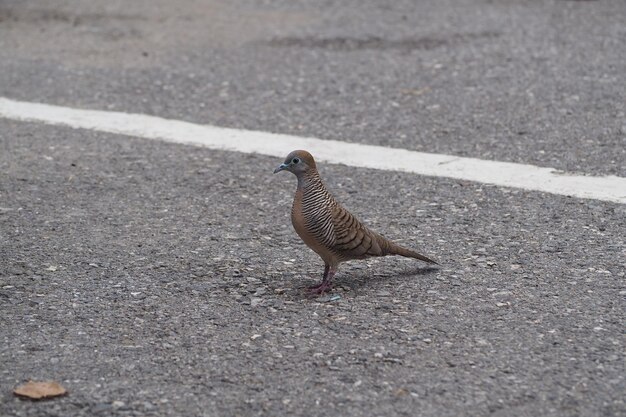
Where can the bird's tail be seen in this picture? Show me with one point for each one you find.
(394, 249)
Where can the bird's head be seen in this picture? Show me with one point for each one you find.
(297, 162)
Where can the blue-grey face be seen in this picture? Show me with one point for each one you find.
(293, 163)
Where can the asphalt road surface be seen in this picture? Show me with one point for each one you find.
(165, 280)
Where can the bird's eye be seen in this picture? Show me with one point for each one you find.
(295, 160)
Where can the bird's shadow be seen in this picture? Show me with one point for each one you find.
(356, 280)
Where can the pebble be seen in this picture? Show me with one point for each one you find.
(99, 408)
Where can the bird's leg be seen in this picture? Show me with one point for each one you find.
(327, 282)
(326, 269)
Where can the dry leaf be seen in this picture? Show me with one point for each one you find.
(39, 390)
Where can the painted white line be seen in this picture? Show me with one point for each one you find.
(506, 174)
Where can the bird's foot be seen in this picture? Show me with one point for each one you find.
(320, 288)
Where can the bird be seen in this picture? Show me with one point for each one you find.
(326, 227)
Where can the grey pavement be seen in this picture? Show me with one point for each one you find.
(540, 82)
(164, 280)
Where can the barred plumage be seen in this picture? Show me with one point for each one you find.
(334, 233)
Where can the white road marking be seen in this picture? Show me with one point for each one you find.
(507, 174)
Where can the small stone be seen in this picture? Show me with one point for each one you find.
(401, 392)
(255, 301)
(329, 298)
(118, 404)
(99, 408)
(255, 336)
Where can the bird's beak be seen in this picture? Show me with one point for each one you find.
(280, 168)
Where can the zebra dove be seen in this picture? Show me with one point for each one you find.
(334, 233)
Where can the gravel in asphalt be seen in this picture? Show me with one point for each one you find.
(158, 279)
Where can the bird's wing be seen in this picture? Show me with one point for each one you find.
(353, 239)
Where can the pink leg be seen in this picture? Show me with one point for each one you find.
(326, 269)
(326, 283)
